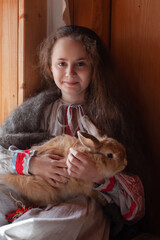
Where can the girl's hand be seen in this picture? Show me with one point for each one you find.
(80, 165)
(50, 167)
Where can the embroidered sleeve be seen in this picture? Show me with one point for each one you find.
(21, 160)
(127, 192)
(5, 161)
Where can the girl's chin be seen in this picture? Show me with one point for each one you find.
(74, 97)
(71, 89)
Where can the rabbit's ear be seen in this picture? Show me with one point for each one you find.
(88, 140)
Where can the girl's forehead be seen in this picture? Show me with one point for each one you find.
(68, 46)
(67, 41)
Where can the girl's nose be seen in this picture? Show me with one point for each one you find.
(70, 71)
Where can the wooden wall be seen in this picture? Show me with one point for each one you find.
(22, 28)
(8, 56)
(93, 14)
(131, 31)
(135, 47)
(35, 30)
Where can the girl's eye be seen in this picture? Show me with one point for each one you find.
(80, 64)
(61, 64)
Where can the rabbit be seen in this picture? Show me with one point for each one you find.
(108, 154)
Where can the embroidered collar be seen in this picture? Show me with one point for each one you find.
(70, 108)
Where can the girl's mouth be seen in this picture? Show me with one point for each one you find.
(71, 83)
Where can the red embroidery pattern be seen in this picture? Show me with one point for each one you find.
(19, 163)
(110, 185)
(67, 128)
(133, 186)
(131, 210)
(20, 160)
(19, 212)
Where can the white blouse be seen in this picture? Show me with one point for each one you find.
(60, 114)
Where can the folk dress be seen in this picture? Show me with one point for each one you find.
(79, 217)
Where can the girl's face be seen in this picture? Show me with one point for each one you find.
(71, 69)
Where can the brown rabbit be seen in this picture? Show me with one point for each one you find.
(108, 154)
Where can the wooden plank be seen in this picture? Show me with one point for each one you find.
(71, 10)
(34, 32)
(22, 28)
(8, 60)
(1, 61)
(136, 51)
(135, 47)
(95, 15)
(21, 53)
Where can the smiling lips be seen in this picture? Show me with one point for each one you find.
(70, 83)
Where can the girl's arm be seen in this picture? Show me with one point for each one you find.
(16, 161)
(24, 162)
(127, 192)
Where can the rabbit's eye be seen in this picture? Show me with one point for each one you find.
(109, 155)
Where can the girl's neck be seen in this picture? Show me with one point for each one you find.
(73, 100)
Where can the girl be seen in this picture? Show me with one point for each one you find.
(75, 64)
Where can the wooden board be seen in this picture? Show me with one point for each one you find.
(135, 47)
(22, 28)
(8, 56)
(93, 14)
(35, 25)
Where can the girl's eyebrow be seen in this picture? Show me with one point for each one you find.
(61, 59)
(79, 59)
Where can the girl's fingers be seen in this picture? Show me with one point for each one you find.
(74, 166)
(52, 168)
(58, 178)
(57, 171)
(72, 160)
(76, 154)
(54, 183)
(72, 169)
(82, 157)
(58, 163)
(73, 174)
(61, 171)
(51, 182)
(78, 159)
(55, 157)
